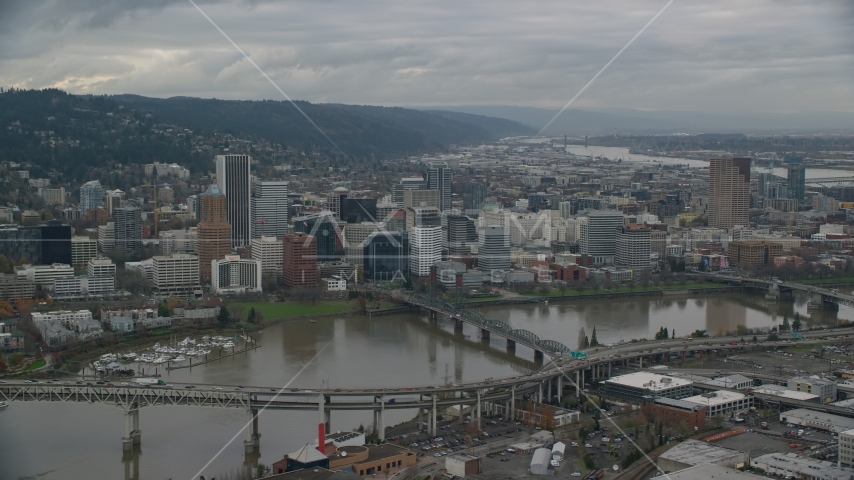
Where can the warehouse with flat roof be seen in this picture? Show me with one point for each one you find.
(695, 452)
(818, 420)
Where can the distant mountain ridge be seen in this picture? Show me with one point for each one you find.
(358, 130)
(632, 121)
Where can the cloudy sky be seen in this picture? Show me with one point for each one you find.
(715, 55)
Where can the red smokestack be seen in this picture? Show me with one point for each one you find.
(321, 438)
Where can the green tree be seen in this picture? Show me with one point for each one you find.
(797, 325)
(250, 318)
(224, 317)
(785, 327)
(593, 340)
(673, 333)
(163, 310)
(755, 340)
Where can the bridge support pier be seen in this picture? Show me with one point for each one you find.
(640, 362)
(381, 421)
(479, 407)
(540, 392)
(513, 402)
(538, 356)
(433, 418)
(133, 436)
(549, 391)
(458, 325)
(511, 345)
(484, 334)
(559, 387)
(253, 438)
(609, 369)
(577, 383)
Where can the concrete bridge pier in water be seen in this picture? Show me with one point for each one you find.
(133, 435)
(253, 438)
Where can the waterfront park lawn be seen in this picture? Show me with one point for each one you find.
(278, 311)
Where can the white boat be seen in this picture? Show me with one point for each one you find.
(3, 405)
(228, 345)
(179, 358)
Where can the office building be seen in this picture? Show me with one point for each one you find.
(439, 177)
(355, 235)
(270, 209)
(358, 210)
(474, 196)
(753, 253)
(421, 198)
(11, 287)
(53, 196)
(82, 287)
(633, 247)
(107, 237)
(565, 209)
(324, 227)
(598, 235)
(100, 267)
(846, 449)
(181, 241)
(214, 231)
(493, 250)
(233, 274)
(176, 275)
(91, 195)
(336, 198)
(299, 260)
(722, 402)
(128, 230)
(423, 217)
(825, 389)
(268, 251)
(43, 275)
(410, 183)
(56, 242)
(642, 387)
(232, 178)
(729, 192)
(82, 249)
(112, 200)
(425, 249)
(461, 235)
(21, 244)
(797, 178)
(386, 256)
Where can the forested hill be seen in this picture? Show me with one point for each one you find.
(360, 131)
(77, 138)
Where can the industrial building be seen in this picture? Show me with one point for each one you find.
(818, 420)
(824, 388)
(643, 387)
(691, 453)
(674, 412)
(790, 465)
(722, 402)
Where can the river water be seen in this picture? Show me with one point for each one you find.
(623, 153)
(70, 440)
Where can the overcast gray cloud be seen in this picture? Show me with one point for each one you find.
(699, 55)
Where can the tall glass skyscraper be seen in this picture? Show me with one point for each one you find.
(270, 209)
(439, 177)
(232, 178)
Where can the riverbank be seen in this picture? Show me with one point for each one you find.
(75, 358)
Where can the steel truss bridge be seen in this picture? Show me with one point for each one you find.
(831, 181)
(513, 335)
(818, 296)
